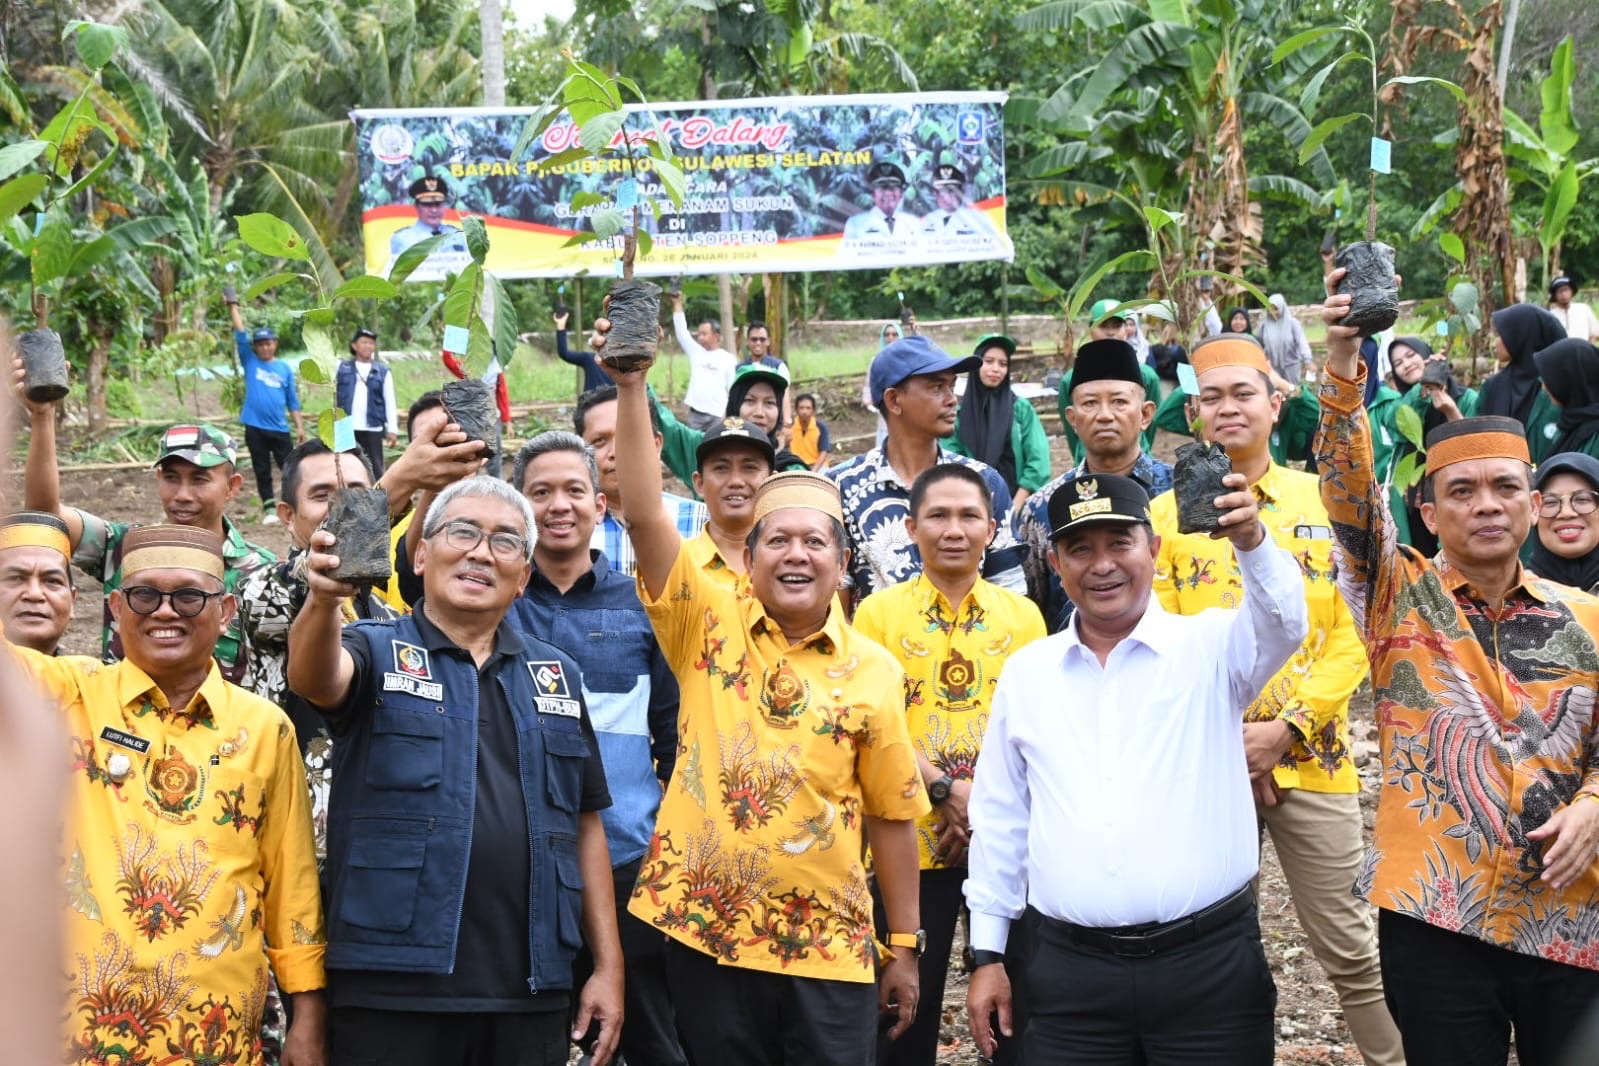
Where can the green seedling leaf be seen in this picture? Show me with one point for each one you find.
(586, 199)
(1453, 246)
(576, 239)
(672, 177)
(1409, 423)
(270, 282)
(19, 193)
(505, 323)
(366, 287)
(311, 373)
(96, 42)
(1409, 470)
(477, 238)
(645, 243)
(324, 427)
(1299, 40)
(1415, 79)
(1046, 287)
(412, 257)
(461, 302)
(52, 251)
(87, 256)
(1466, 298)
(270, 235)
(13, 157)
(319, 347)
(319, 316)
(1322, 131)
(1159, 218)
(1139, 259)
(607, 223)
(595, 134)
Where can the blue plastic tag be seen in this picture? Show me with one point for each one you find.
(1187, 379)
(344, 435)
(456, 339)
(627, 195)
(1382, 154)
(1442, 328)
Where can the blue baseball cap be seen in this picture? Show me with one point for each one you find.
(910, 356)
(265, 333)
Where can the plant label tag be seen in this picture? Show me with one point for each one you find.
(1187, 379)
(627, 195)
(344, 435)
(1382, 155)
(456, 339)
(1442, 328)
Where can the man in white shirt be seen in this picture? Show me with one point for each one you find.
(365, 389)
(884, 225)
(1120, 816)
(1578, 318)
(711, 368)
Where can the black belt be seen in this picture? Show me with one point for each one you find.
(1142, 941)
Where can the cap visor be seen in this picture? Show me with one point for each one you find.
(203, 460)
(1109, 516)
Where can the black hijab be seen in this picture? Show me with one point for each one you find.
(1581, 573)
(986, 417)
(1570, 371)
(1227, 323)
(1525, 329)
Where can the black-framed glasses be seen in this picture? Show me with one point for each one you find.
(1582, 502)
(464, 536)
(186, 602)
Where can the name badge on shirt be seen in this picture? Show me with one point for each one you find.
(415, 686)
(112, 735)
(557, 706)
(1313, 532)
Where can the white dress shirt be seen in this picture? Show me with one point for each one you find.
(358, 404)
(1125, 798)
(711, 371)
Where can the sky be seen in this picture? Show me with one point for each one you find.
(531, 13)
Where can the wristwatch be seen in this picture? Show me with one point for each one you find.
(986, 958)
(916, 941)
(938, 791)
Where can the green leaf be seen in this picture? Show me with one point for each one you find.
(1234, 279)
(1299, 40)
(506, 330)
(89, 255)
(318, 316)
(1555, 121)
(19, 193)
(319, 347)
(366, 287)
(571, 155)
(461, 302)
(1413, 79)
(1409, 423)
(1408, 470)
(66, 132)
(88, 178)
(672, 177)
(586, 198)
(1046, 287)
(1323, 130)
(645, 243)
(477, 238)
(412, 257)
(325, 423)
(1160, 218)
(271, 281)
(141, 233)
(1465, 298)
(96, 42)
(1453, 246)
(13, 157)
(595, 134)
(607, 222)
(1139, 259)
(1283, 187)
(1310, 95)
(311, 373)
(271, 236)
(535, 126)
(52, 251)
(1557, 205)
(582, 237)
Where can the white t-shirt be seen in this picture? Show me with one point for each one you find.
(1578, 319)
(711, 371)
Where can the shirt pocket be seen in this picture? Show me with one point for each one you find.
(566, 753)
(407, 750)
(570, 897)
(380, 882)
(235, 804)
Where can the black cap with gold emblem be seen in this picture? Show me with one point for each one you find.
(1096, 498)
(947, 175)
(429, 190)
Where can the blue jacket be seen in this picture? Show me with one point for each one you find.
(401, 805)
(344, 382)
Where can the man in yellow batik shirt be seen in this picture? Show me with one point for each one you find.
(188, 844)
(792, 756)
(952, 632)
(1296, 734)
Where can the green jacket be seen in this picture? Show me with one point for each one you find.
(678, 444)
(1543, 428)
(1391, 446)
(1027, 443)
(1151, 393)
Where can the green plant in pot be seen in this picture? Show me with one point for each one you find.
(480, 330)
(594, 101)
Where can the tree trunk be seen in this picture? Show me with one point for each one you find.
(99, 366)
(777, 316)
(1483, 219)
(491, 18)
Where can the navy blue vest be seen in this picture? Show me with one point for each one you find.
(344, 382)
(400, 810)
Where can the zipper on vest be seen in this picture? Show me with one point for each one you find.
(460, 899)
(532, 866)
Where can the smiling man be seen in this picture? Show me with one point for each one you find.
(36, 591)
(1486, 680)
(464, 835)
(952, 633)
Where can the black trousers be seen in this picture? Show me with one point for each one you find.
(370, 441)
(265, 447)
(1209, 1001)
(941, 900)
(365, 1037)
(731, 1016)
(649, 1028)
(1457, 999)
(1019, 949)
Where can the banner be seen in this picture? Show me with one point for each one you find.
(775, 184)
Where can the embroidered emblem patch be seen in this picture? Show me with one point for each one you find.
(548, 677)
(411, 660)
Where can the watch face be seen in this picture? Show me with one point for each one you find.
(938, 791)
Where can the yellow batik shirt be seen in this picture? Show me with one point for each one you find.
(952, 660)
(1311, 692)
(189, 866)
(783, 751)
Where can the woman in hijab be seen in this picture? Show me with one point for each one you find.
(1281, 335)
(1570, 373)
(1430, 389)
(1567, 550)
(997, 428)
(885, 336)
(1516, 391)
(1238, 321)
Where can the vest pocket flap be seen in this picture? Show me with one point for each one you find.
(566, 754)
(407, 750)
(392, 720)
(380, 882)
(570, 897)
(566, 742)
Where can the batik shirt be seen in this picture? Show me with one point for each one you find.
(876, 504)
(1487, 720)
(1032, 531)
(99, 555)
(189, 866)
(952, 660)
(783, 751)
(269, 600)
(1311, 692)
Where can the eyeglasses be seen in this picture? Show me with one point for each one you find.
(1581, 502)
(464, 536)
(186, 602)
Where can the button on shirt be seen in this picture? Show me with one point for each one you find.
(876, 504)
(783, 751)
(1118, 795)
(1487, 720)
(1311, 693)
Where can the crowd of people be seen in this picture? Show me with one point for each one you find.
(694, 778)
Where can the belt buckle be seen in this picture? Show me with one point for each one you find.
(1131, 947)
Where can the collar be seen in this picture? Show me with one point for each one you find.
(1153, 631)
(1143, 471)
(878, 457)
(1270, 486)
(926, 594)
(133, 684)
(703, 552)
(1454, 580)
(234, 546)
(586, 581)
(507, 641)
(829, 640)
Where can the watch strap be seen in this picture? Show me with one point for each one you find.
(903, 940)
(986, 958)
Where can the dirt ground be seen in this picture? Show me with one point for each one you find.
(1311, 1030)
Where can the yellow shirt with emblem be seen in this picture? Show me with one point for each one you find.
(783, 751)
(189, 865)
(1311, 692)
(952, 660)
